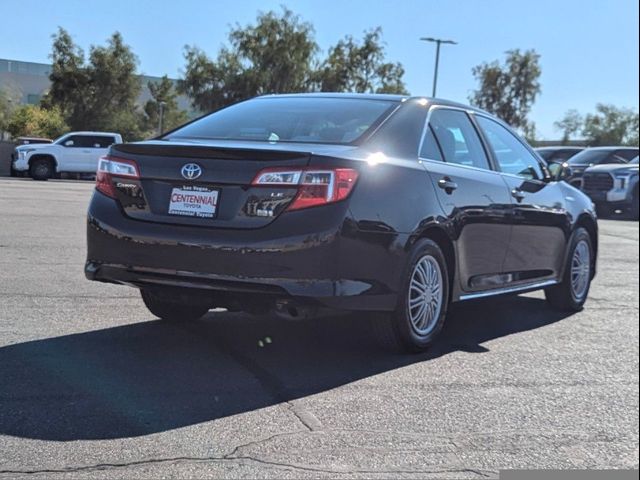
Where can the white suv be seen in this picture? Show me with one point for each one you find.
(76, 152)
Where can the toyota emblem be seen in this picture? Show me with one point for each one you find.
(191, 171)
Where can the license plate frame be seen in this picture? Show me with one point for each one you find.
(194, 201)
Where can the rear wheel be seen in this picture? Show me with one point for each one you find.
(41, 169)
(571, 294)
(171, 309)
(422, 304)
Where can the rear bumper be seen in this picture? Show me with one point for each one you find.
(313, 256)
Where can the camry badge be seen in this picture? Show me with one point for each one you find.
(191, 171)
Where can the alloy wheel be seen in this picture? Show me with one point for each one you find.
(580, 270)
(425, 295)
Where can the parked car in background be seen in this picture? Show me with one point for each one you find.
(32, 140)
(379, 203)
(75, 152)
(597, 156)
(613, 187)
(558, 154)
(25, 141)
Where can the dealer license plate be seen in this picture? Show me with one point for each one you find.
(194, 201)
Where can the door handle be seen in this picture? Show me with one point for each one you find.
(517, 194)
(86, 151)
(447, 185)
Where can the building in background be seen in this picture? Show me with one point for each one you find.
(28, 82)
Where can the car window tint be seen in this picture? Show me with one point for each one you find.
(101, 141)
(430, 149)
(562, 156)
(290, 119)
(74, 141)
(511, 154)
(627, 154)
(400, 134)
(458, 138)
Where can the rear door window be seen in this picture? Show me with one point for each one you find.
(101, 141)
(458, 139)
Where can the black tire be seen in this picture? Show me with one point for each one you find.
(635, 206)
(171, 310)
(41, 169)
(563, 296)
(396, 331)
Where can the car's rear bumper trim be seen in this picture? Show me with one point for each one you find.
(339, 294)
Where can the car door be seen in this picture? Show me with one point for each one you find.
(73, 154)
(97, 146)
(475, 199)
(538, 215)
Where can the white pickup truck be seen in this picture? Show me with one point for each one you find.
(75, 152)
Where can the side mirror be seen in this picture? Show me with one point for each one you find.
(68, 143)
(560, 171)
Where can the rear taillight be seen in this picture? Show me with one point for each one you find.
(315, 187)
(110, 167)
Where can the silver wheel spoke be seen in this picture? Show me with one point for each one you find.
(425, 296)
(580, 270)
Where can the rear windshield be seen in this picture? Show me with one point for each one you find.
(292, 120)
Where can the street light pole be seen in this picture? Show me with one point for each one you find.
(438, 42)
(161, 107)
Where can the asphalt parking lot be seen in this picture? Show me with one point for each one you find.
(92, 386)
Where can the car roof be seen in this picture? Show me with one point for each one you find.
(378, 96)
(560, 147)
(92, 133)
(612, 148)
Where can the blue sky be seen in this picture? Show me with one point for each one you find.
(589, 48)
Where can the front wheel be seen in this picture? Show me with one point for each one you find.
(571, 294)
(171, 309)
(422, 303)
(41, 169)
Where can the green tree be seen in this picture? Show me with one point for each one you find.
(35, 121)
(570, 125)
(509, 90)
(163, 92)
(278, 54)
(273, 56)
(70, 79)
(6, 105)
(611, 125)
(353, 66)
(98, 94)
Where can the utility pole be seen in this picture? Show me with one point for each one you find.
(438, 42)
(161, 115)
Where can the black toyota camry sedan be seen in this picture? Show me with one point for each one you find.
(310, 203)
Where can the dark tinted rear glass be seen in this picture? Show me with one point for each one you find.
(587, 157)
(546, 154)
(290, 119)
(627, 154)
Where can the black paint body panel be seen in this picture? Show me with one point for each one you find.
(347, 255)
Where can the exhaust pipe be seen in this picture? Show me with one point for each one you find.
(289, 310)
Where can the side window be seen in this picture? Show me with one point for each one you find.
(458, 138)
(627, 154)
(430, 149)
(74, 141)
(101, 141)
(512, 156)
